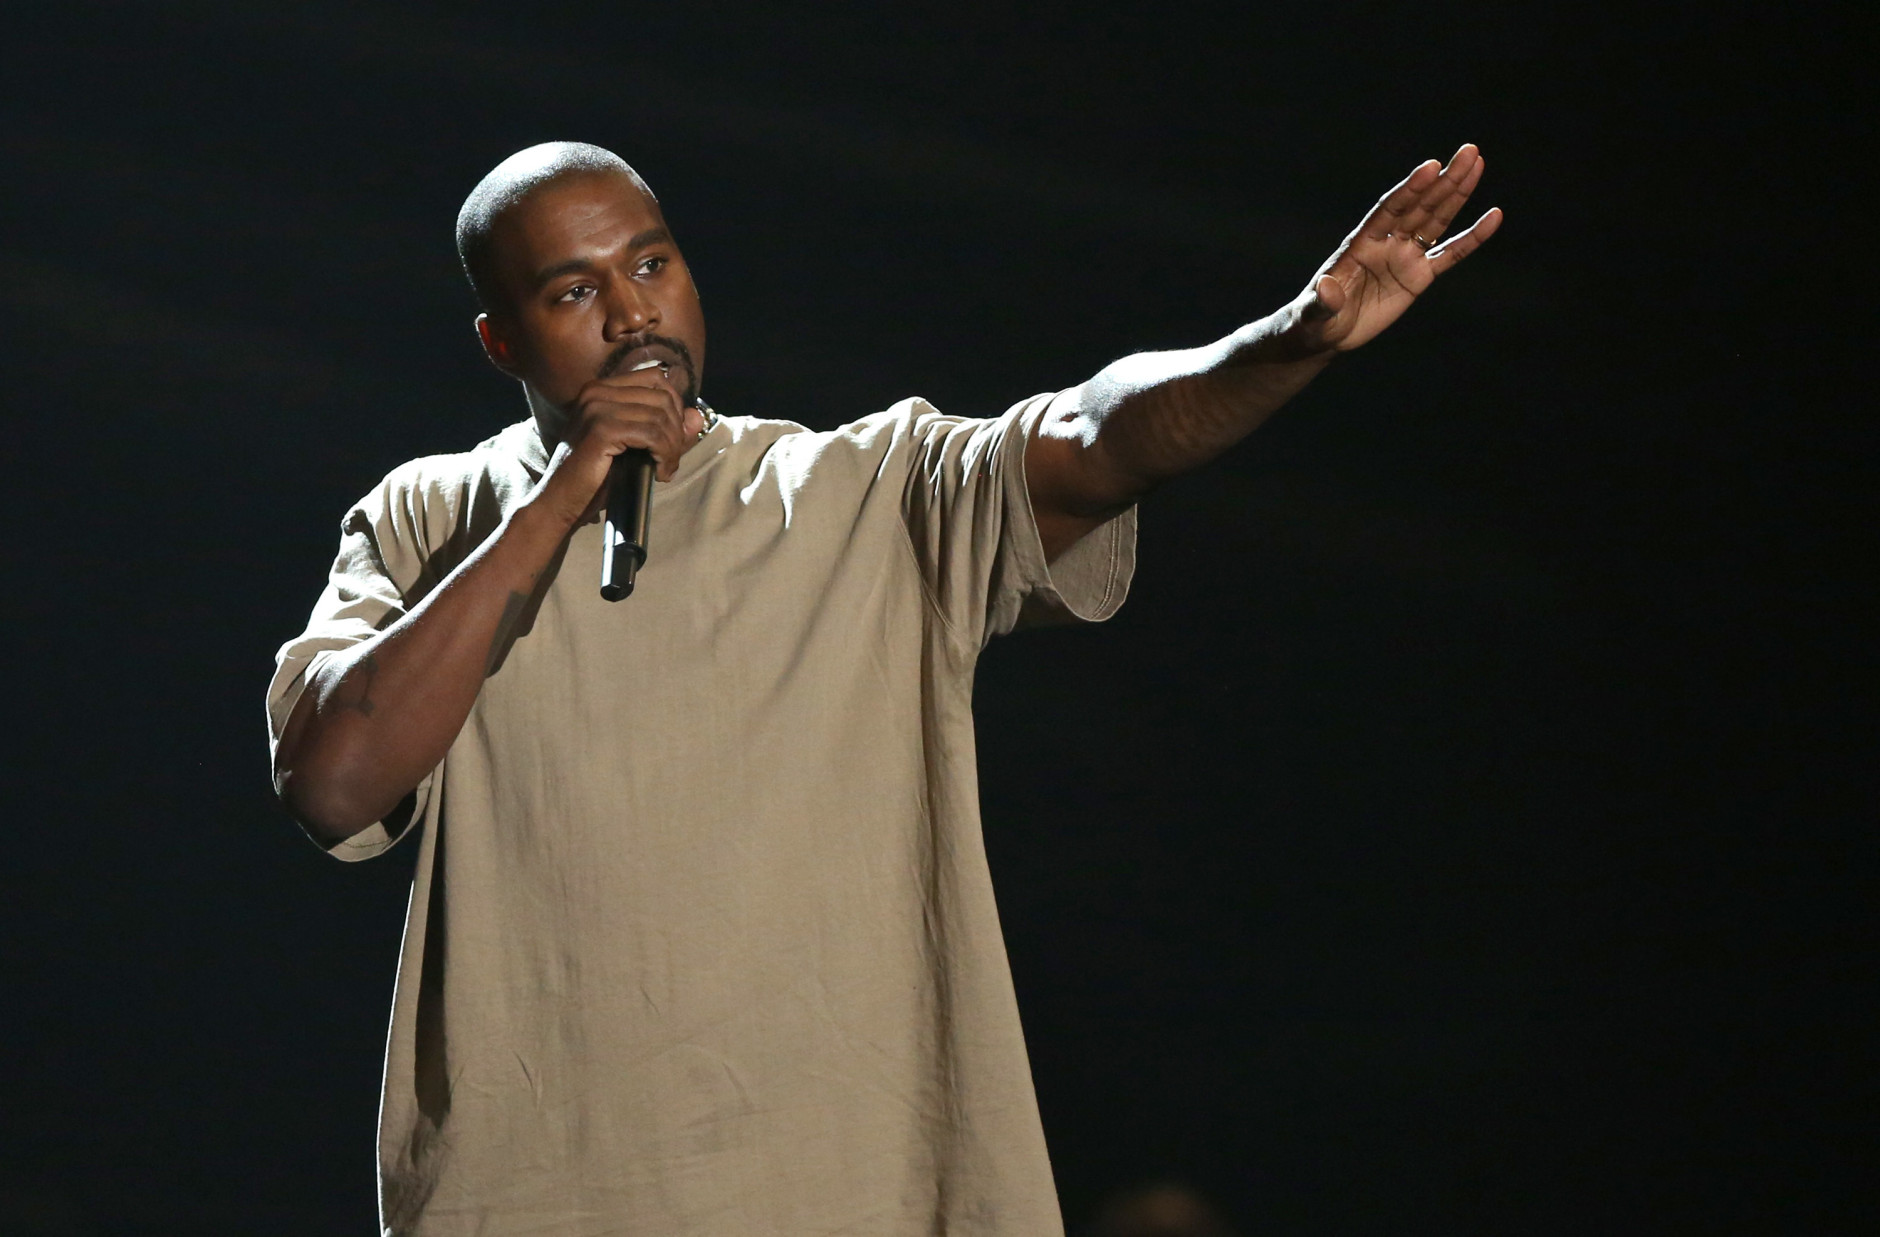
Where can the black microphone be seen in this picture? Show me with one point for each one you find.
(629, 507)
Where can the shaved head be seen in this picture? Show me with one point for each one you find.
(580, 278)
(511, 182)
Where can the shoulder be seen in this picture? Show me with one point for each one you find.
(861, 451)
(905, 421)
(426, 503)
(909, 438)
(500, 460)
(758, 434)
(876, 434)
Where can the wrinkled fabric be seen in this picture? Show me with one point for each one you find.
(702, 939)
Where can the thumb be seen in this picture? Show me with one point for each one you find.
(1328, 298)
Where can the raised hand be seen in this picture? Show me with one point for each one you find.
(1393, 256)
(639, 408)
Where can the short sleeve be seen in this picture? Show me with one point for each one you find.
(969, 516)
(380, 571)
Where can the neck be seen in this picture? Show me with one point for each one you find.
(550, 422)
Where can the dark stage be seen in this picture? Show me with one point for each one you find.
(1467, 825)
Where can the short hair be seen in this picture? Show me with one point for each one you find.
(511, 182)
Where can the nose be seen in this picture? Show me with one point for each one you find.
(629, 309)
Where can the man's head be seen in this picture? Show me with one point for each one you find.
(577, 273)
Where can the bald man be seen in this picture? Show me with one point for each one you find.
(701, 939)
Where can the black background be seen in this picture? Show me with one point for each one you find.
(1464, 828)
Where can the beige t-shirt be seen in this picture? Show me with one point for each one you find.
(702, 939)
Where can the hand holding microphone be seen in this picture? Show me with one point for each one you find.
(629, 507)
(625, 429)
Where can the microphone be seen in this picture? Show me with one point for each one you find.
(629, 507)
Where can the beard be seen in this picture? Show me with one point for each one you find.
(688, 387)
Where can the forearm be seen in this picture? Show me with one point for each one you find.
(378, 717)
(1155, 415)
(1159, 414)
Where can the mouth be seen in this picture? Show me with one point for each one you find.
(646, 356)
(672, 357)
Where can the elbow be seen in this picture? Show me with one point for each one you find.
(327, 778)
(327, 805)
(1073, 467)
(328, 818)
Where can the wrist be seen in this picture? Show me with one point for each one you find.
(563, 499)
(1289, 336)
(545, 515)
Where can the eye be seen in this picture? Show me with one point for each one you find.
(580, 292)
(653, 265)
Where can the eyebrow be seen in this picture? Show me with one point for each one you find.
(576, 266)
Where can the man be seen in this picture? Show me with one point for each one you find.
(701, 938)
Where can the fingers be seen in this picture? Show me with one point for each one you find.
(611, 415)
(651, 380)
(1447, 196)
(1425, 202)
(1461, 245)
(1390, 210)
(634, 410)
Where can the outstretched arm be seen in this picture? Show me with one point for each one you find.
(1157, 415)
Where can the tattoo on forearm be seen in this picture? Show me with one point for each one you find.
(512, 610)
(368, 666)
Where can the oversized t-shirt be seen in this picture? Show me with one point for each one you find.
(702, 938)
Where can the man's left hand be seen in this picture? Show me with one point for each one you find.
(1156, 415)
(1391, 258)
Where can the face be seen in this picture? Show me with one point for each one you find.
(591, 284)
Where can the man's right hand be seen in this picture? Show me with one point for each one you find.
(610, 415)
(375, 719)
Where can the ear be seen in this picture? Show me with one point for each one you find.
(498, 349)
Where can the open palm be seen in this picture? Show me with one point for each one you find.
(1395, 254)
